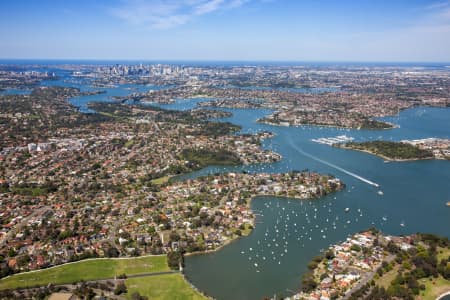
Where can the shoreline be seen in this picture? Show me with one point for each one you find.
(386, 158)
(327, 125)
(443, 295)
(231, 240)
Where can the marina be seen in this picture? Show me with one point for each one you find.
(333, 140)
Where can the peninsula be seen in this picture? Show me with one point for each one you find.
(390, 151)
(370, 265)
(404, 150)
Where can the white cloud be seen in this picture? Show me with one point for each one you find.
(208, 6)
(169, 13)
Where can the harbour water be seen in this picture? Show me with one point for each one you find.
(289, 233)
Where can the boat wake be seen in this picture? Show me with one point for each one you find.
(333, 165)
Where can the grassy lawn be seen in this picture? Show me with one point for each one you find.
(171, 286)
(442, 253)
(129, 143)
(161, 180)
(434, 288)
(87, 270)
(387, 278)
(247, 230)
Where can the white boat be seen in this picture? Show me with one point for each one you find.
(347, 209)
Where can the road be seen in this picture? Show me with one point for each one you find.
(72, 287)
(366, 279)
(23, 223)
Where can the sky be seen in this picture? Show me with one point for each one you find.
(227, 30)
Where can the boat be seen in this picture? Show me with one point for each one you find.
(448, 203)
(380, 193)
(402, 224)
(347, 209)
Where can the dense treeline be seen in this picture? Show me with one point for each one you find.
(199, 158)
(374, 124)
(415, 264)
(393, 150)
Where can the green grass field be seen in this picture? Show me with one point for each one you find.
(87, 270)
(170, 286)
(442, 253)
(161, 180)
(434, 288)
(387, 278)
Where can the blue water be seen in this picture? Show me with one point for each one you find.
(291, 90)
(85, 85)
(15, 92)
(414, 193)
(182, 104)
(121, 90)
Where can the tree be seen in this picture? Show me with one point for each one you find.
(137, 296)
(112, 252)
(121, 288)
(329, 254)
(174, 259)
(174, 236)
(308, 283)
(355, 247)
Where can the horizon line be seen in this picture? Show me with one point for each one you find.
(228, 60)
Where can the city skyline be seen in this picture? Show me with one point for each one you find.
(227, 30)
